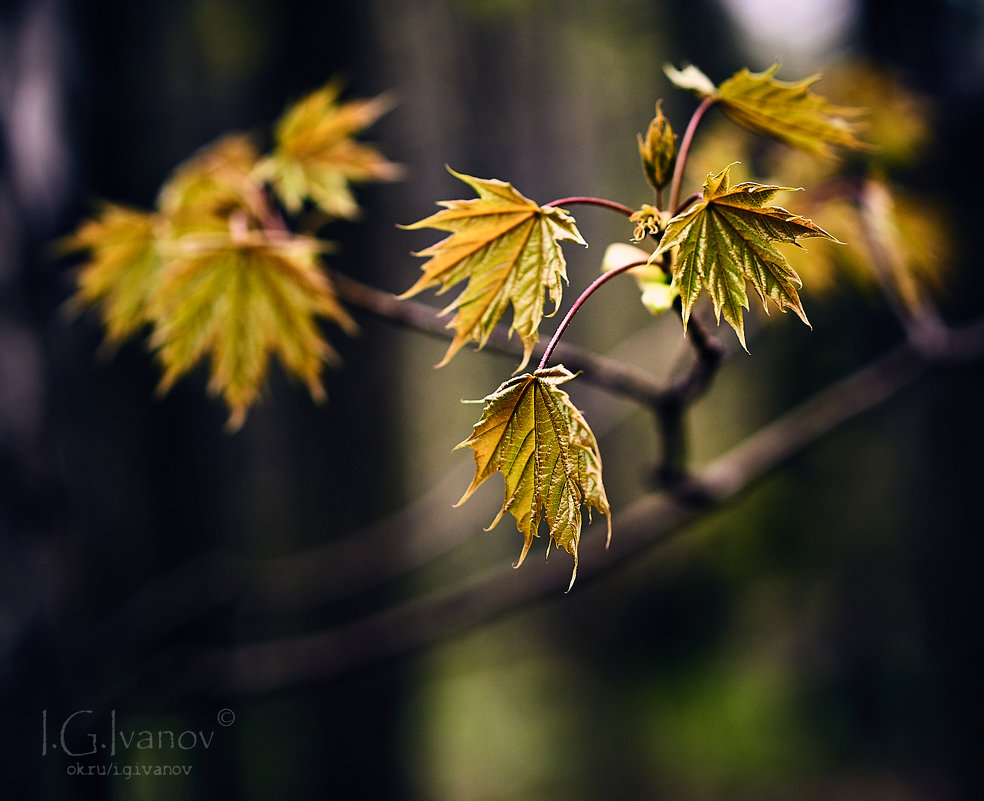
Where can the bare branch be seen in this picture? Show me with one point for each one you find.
(415, 623)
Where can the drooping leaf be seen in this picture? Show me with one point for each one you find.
(238, 302)
(122, 268)
(317, 157)
(508, 249)
(785, 110)
(532, 433)
(658, 292)
(725, 240)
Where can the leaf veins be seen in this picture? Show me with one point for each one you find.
(784, 110)
(508, 249)
(725, 240)
(532, 433)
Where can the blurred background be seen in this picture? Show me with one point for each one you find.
(813, 640)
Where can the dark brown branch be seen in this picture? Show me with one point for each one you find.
(604, 372)
(649, 521)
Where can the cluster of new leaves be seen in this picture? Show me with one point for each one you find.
(507, 248)
(217, 275)
(214, 271)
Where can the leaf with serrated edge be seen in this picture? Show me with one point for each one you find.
(122, 269)
(725, 240)
(532, 433)
(316, 155)
(508, 249)
(239, 303)
(784, 110)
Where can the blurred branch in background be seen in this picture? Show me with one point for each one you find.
(303, 581)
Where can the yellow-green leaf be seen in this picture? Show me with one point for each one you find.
(238, 302)
(896, 242)
(725, 240)
(316, 156)
(122, 268)
(508, 249)
(785, 110)
(532, 433)
(213, 185)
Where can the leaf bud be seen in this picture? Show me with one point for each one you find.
(658, 150)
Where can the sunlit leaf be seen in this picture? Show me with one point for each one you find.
(237, 302)
(725, 240)
(508, 249)
(122, 268)
(785, 110)
(532, 433)
(317, 157)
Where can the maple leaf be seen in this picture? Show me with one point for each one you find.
(238, 301)
(785, 110)
(725, 240)
(122, 269)
(316, 156)
(532, 433)
(508, 249)
(217, 182)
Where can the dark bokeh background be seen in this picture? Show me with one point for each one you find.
(815, 640)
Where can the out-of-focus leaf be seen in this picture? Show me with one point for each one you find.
(692, 79)
(894, 242)
(508, 249)
(785, 110)
(532, 433)
(238, 302)
(122, 268)
(316, 156)
(725, 240)
(206, 190)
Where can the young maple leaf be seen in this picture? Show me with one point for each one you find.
(122, 269)
(239, 301)
(725, 240)
(508, 249)
(316, 156)
(532, 433)
(204, 191)
(785, 110)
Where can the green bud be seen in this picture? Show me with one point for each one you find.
(658, 150)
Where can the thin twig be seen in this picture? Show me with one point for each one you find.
(684, 151)
(604, 372)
